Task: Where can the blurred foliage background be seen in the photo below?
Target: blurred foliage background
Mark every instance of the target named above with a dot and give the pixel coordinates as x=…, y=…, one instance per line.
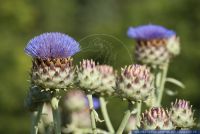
x=20, y=20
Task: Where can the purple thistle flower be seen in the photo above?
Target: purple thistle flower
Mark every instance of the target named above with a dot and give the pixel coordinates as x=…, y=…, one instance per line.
x=149, y=32
x=52, y=45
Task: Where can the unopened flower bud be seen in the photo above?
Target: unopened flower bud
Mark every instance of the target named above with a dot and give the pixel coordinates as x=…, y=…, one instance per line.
x=156, y=118
x=181, y=114
x=135, y=83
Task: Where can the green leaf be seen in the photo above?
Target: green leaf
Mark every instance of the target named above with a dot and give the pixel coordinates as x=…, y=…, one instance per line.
x=171, y=92
x=175, y=82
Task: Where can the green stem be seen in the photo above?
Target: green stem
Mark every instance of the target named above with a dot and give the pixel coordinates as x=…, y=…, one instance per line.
x=125, y=119
x=162, y=83
x=139, y=107
x=56, y=114
x=36, y=119
x=105, y=115
x=92, y=116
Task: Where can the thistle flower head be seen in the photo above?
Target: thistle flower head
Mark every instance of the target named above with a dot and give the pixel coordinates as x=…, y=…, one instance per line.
x=107, y=77
x=181, y=114
x=155, y=44
x=88, y=76
x=156, y=118
x=52, y=45
x=149, y=32
x=135, y=82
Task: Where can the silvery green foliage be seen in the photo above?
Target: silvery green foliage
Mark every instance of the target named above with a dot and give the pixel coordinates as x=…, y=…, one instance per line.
x=74, y=100
x=156, y=119
x=52, y=73
x=107, y=78
x=88, y=76
x=181, y=114
x=135, y=83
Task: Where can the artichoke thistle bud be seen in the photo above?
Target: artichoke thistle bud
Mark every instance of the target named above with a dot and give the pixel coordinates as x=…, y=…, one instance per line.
x=156, y=118
x=75, y=100
x=155, y=44
x=52, y=65
x=181, y=114
x=88, y=76
x=107, y=80
x=135, y=83
x=52, y=73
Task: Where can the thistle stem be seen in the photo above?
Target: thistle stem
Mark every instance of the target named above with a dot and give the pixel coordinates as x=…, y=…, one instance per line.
x=36, y=119
x=125, y=119
x=162, y=83
x=56, y=114
x=139, y=107
x=106, y=116
x=92, y=116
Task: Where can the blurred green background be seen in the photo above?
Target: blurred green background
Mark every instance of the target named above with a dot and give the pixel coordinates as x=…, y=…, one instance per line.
x=20, y=20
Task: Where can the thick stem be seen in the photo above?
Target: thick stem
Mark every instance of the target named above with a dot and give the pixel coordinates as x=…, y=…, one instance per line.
x=106, y=116
x=36, y=119
x=92, y=116
x=56, y=114
x=125, y=119
x=139, y=107
x=162, y=83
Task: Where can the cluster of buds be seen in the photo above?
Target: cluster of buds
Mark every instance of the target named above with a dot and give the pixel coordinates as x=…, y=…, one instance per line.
x=135, y=83
x=156, y=118
x=155, y=44
x=96, y=79
x=181, y=114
